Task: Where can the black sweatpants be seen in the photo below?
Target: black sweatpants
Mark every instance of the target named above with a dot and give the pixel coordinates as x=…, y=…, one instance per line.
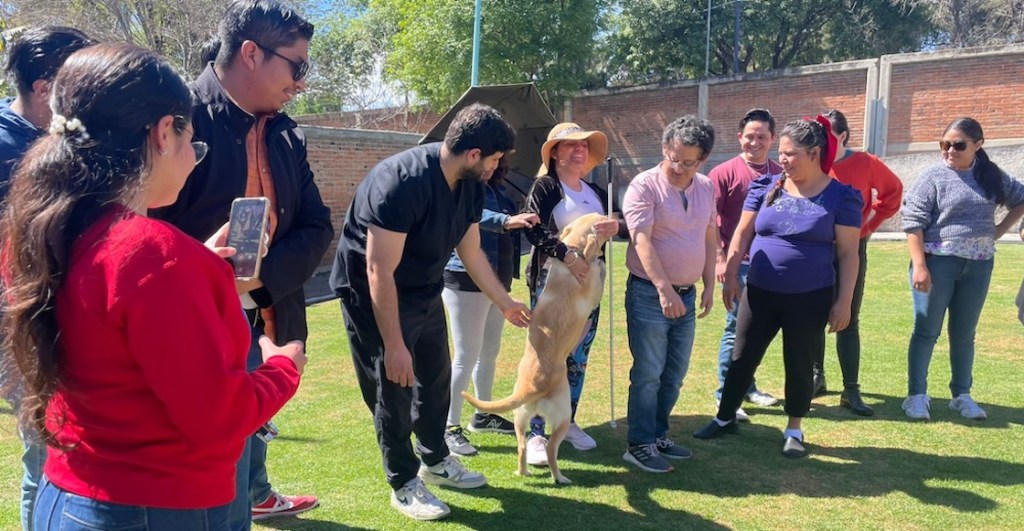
x=399, y=412
x=802, y=318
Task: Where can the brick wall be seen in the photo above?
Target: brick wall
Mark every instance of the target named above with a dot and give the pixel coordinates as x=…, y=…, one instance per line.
x=375, y=120
x=926, y=95
x=340, y=158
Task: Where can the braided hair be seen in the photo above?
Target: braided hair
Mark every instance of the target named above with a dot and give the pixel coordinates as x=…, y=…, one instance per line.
x=808, y=134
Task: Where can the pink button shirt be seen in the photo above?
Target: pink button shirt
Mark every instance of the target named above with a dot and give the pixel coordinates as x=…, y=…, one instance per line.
x=677, y=233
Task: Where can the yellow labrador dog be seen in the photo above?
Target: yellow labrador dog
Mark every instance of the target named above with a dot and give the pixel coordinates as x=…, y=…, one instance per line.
x=542, y=386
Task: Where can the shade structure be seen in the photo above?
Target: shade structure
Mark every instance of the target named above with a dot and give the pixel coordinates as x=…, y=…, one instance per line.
x=525, y=110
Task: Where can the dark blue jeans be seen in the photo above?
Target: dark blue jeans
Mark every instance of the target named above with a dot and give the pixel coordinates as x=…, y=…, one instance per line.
x=960, y=286
x=57, y=509
x=661, y=356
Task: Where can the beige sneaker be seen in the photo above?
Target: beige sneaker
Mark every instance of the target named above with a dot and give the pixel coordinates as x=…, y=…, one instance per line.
x=537, y=451
x=579, y=438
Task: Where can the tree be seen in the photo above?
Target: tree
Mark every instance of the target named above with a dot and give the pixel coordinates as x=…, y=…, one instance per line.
x=963, y=23
x=547, y=42
x=665, y=39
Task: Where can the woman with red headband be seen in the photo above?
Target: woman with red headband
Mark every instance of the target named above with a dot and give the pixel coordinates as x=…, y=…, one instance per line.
x=794, y=225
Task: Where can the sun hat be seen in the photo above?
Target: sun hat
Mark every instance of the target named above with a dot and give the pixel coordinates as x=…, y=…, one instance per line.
x=596, y=141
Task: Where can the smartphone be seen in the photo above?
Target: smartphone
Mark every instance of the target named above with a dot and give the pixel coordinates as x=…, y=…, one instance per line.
x=246, y=229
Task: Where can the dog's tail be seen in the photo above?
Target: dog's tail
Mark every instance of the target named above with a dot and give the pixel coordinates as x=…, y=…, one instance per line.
x=505, y=404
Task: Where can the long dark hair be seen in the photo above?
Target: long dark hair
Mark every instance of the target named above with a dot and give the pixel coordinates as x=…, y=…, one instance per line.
x=986, y=172
x=807, y=134
x=67, y=180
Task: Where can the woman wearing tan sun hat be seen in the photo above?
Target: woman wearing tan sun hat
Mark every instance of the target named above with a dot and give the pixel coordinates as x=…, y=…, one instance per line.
x=558, y=196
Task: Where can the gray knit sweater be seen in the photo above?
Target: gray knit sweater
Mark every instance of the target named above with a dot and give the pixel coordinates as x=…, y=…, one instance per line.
x=948, y=205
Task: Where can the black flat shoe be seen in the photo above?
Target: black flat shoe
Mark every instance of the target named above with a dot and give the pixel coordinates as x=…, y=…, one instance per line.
x=851, y=399
x=819, y=384
x=713, y=430
x=793, y=448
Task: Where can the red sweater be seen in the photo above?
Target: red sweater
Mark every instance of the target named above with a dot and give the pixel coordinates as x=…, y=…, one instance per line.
x=153, y=390
x=866, y=172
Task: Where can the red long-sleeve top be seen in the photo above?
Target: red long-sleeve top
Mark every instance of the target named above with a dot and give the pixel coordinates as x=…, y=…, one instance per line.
x=866, y=172
x=153, y=394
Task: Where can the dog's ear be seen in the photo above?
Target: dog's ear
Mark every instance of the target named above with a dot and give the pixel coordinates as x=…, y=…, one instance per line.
x=566, y=232
x=592, y=249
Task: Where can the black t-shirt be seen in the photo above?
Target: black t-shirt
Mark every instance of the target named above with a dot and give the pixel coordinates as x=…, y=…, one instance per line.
x=407, y=193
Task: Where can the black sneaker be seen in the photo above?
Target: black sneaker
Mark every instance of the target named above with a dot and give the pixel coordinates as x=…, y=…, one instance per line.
x=713, y=430
x=491, y=423
x=457, y=441
x=668, y=448
x=646, y=457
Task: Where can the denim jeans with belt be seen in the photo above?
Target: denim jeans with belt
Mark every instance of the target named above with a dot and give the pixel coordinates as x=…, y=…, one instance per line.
x=57, y=509
x=661, y=355
x=959, y=285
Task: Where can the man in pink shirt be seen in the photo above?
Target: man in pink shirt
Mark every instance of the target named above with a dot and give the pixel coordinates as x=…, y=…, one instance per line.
x=670, y=212
x=731, y=179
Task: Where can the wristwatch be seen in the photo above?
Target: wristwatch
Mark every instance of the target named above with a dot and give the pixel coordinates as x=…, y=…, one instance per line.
x=574, y=253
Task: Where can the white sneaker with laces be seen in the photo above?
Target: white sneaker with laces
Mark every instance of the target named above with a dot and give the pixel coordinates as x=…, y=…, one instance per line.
x=967, y=407
x=537, y=451
x=917, y=407
x=579, y=438
x=416, y=502
x=762, y=399
x=451, y=473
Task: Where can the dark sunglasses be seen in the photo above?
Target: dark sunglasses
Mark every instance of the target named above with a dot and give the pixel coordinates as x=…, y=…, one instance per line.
x=959, y=145
x=199, y=147
x=299, y=68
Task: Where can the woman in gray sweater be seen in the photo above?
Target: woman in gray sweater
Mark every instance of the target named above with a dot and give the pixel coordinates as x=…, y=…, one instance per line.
x=949, y=217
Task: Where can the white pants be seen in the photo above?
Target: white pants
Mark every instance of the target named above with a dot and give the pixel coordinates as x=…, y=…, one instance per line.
x=476, y=325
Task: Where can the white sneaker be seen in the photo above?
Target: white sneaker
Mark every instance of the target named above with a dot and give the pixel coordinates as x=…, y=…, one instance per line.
x=741, y=416
x=762, y=399
x=537, y=451
x=917, y=407
x=579, y=438
x=967, y=407
x=416, y=502
x=451, y=473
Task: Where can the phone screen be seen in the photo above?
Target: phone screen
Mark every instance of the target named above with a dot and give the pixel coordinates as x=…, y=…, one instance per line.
x=246, y=228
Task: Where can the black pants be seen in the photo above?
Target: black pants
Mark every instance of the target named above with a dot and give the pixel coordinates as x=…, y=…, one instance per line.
x=802, y=318
x=848, y=341
x=399, y=412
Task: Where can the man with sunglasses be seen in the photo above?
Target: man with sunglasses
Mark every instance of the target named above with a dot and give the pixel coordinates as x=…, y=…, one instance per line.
x=670, y=212
x=257, y=150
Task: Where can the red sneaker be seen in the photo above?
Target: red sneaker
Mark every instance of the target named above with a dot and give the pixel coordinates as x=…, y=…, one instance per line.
x=281, y=505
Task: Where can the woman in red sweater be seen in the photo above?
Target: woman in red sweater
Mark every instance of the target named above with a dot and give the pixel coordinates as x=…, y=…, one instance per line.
x=128, y=333
x=882, y=193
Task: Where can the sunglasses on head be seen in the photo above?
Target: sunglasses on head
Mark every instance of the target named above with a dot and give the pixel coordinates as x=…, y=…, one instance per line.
x=959, y=145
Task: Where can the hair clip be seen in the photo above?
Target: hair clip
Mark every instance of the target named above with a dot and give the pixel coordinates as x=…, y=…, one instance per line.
x=72, y=129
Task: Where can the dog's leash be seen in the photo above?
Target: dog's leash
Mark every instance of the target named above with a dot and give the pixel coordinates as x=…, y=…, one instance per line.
x=611, y=313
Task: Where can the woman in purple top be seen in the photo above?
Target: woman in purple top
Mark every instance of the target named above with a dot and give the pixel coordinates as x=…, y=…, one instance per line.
x=794, y=225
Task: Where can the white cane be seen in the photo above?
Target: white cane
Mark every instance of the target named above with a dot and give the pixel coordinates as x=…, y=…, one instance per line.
x=611, y=324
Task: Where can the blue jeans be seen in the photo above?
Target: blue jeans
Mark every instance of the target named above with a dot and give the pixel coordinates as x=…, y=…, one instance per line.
x=57, y=509
x=251, y=471
x=661, y=355
x=959, y=285
x=725, y=348
x=32, y=459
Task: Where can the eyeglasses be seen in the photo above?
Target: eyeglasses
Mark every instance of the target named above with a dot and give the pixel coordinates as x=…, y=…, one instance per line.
x=299, y=68
x=959, y=145
x=198, y=146
x=680, y=164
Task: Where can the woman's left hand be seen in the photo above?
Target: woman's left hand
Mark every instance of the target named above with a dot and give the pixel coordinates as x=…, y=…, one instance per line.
x=838, y=317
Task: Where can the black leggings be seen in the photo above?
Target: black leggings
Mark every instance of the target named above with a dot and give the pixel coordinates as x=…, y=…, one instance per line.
x=802, y=318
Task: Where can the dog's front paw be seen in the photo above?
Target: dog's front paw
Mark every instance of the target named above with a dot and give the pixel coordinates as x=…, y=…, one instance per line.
x=562, y=480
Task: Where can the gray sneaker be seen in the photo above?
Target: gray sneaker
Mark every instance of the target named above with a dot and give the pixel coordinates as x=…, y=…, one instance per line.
x=646, y=457
x=668, y=448
x=451, y=473
x=457, y=441
x=762, y=399
x=416, y=502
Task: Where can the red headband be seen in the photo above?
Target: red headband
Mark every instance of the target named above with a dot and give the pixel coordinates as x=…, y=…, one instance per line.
x=828, y=158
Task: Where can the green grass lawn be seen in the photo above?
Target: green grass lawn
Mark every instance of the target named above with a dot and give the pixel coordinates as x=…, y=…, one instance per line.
x=884, y=472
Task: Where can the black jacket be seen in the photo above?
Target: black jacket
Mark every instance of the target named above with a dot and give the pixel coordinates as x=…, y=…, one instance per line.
x=303, y=221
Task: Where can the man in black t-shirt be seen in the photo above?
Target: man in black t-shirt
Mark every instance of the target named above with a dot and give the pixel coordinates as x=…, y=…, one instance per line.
x=408, y=215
